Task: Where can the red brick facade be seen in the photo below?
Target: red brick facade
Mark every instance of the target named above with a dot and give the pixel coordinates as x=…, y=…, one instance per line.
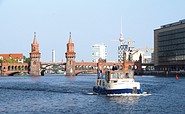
x=70, y=58
x=35, y=58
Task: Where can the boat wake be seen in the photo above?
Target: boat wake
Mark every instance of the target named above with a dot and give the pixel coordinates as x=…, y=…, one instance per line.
x=129, y=94
x=124, y=94
x=91, y=94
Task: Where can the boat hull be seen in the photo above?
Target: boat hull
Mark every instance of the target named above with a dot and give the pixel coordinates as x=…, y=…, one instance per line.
x=101, y=90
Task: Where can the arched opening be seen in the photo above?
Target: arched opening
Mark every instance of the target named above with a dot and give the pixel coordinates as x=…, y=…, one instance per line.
x=83, y=68
x=13, y=68
x=16, y=68
x=42, y=72
x=79, y=68
x=89, y=67
x=22, y=68
x=76, y=67
x=86, y=68
x=120, y=67
x=9, y=68
x=34, y=49
x=26, y=67
x=19, y=67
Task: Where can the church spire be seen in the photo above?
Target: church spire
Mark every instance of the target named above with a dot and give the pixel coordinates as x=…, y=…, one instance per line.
x=70, y=38
x=34, y=40
x=35, y=45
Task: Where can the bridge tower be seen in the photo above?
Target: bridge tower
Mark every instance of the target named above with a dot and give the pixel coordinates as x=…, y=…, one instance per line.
x=35, y=58
x=70, y=58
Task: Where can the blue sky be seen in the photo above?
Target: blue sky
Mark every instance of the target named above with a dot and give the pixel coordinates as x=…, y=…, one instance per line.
x=90, y=21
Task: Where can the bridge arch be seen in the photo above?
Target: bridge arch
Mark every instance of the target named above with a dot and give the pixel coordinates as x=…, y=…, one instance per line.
x=13, y=68
x=85, y=72
x=16, y=72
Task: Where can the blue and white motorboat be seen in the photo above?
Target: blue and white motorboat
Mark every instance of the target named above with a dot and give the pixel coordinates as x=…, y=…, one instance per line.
x=116, y=82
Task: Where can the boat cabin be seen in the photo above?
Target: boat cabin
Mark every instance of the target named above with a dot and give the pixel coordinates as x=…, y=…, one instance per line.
x=117, y=75
x=114, y=77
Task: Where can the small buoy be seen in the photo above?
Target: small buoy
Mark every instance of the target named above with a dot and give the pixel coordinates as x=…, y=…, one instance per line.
x=177, y=77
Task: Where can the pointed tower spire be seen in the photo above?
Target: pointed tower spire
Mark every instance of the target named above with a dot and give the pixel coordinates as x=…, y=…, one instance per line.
x=70, y=38
x=121, y=34
x=34, y=40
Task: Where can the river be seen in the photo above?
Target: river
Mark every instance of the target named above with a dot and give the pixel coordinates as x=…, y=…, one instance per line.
x=58, y=94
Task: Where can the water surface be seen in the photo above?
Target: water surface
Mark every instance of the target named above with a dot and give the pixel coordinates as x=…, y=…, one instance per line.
x=58, y=94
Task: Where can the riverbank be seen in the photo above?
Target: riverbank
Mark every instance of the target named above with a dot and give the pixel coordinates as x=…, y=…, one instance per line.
x=163, y=73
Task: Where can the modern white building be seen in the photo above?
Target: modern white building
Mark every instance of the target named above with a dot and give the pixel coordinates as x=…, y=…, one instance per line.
x=99, y=51
x=137, y=54
x=134, y=55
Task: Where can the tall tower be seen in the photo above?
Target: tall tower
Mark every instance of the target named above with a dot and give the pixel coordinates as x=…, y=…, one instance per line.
x=121, y=39
x=122, y=46
x=35, y=58
x=70, y=58
x=53, y=55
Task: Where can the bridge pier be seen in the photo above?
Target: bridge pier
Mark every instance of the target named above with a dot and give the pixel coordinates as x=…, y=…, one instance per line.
x=4, y=68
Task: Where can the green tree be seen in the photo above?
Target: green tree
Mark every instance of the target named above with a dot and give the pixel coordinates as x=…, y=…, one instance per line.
x=10, y=60
x=27, y=60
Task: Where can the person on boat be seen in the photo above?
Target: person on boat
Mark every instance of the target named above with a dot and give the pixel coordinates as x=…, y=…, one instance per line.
x=127, y=75
x=99, y=72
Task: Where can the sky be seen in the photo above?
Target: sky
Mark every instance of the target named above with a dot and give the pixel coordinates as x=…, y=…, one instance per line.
x=90, y=22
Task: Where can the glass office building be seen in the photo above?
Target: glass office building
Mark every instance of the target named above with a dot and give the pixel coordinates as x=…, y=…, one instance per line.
x=169, y=47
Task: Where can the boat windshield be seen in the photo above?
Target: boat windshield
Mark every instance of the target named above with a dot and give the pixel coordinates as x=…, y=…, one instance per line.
x=117, y=75
x=120, y=75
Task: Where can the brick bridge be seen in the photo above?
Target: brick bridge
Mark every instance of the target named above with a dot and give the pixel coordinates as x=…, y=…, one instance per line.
x=7, y=69
x=92, y=67
x=72, y=67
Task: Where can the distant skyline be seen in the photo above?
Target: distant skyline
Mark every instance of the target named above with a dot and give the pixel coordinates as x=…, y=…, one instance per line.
x=91, y=22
